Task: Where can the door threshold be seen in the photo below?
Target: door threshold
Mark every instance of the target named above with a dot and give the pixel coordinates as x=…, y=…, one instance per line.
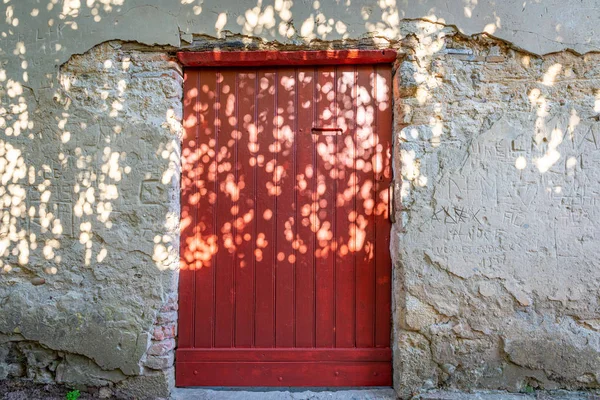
x=280, y=393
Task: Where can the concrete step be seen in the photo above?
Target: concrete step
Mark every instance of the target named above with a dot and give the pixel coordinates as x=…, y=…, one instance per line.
x=282, y=394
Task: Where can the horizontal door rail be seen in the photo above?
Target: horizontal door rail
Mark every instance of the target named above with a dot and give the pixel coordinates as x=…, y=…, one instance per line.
x=269, y=58
x=284, y=355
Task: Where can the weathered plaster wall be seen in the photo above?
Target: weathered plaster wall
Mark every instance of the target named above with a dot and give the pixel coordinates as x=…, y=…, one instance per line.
x=47, y=32
x=495, y=264
x=89, y=216
x=497, y=257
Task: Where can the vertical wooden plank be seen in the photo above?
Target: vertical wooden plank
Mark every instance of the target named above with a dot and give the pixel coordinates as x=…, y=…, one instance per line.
x=205, y=177
x=325, y=209
x=285, y=222
x=305, y=182
x=189, y=164
x=227, y=200
x=344, y=205
x=365, y=221
x=383, y=175
x=245, y=214
x=264, y=335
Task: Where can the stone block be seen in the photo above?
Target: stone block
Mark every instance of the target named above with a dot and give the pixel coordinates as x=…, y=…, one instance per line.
x=161, y=348
x=154, y=385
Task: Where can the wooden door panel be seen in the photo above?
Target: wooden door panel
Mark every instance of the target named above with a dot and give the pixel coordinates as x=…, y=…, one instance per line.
x=227, y=196
x=205, y=203
x=285, y=265
x=264, y=253
x=344, y=205
x=365, y=221
x=246, y=184
x=285, y=214
x=305, y=190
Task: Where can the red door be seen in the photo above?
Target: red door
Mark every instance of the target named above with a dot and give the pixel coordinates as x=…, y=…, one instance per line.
x=286, y=270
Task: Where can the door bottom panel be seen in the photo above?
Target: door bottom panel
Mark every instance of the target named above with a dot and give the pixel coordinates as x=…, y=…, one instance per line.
x=284, y=367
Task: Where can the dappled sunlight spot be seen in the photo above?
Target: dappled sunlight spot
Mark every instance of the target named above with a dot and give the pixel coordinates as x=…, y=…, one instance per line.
x=410, y=165
x=220, y=24
x=13, y=88
x=272, y=19
x=85, y=238
x=14, y=239
x=552, y=155
x=308, y=27
x=574, y=120
x=324, y=234
x=255, y=20
x=490, y=28
x=49, y=248
x=520, y=162
x=169, y=152
x=267, y=215
x=101, y=255
x=164, y=252
x=10, y=18
x=357, y=233
x=382, y=205
x=422, y=95
x=348, y=162
x=198, y=253
x=71, y=191
x=388, y=25
x=437, y=128
x=289, y=229
x=12, y=164
x=551, y=74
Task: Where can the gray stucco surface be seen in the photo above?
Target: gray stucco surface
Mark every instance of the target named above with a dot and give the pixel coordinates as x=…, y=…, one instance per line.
x=496, y=269
x=47, y=33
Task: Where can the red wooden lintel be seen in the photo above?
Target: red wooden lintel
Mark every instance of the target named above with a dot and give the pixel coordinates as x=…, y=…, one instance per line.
x=285, y=58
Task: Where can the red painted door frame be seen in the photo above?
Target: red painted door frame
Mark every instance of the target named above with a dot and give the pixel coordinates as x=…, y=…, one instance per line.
x=272, y=58
x=210, y=365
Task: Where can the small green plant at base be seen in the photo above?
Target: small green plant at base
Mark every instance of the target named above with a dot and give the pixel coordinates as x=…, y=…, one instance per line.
x=528, y=389
x=73, y=395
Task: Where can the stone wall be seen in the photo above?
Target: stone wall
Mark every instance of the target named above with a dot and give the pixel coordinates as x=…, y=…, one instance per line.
x=495, y=276
x=89, y=223
x=497, y=256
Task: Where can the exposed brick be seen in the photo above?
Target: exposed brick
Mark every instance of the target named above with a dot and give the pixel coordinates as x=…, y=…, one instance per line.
x=164, y=332
x=161, y=348
x=166, y=318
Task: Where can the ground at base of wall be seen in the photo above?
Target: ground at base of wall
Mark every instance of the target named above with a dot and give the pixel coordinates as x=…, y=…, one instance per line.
x=294, y=394
x=28, y=390
x=23, y=390
x=498, y=395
